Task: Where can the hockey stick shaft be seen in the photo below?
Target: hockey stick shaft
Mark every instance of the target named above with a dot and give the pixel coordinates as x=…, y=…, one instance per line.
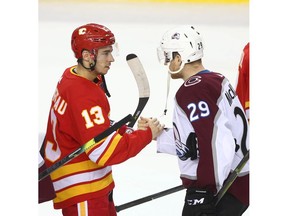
x=232, y=178
x=148, y=198
x=142, y=84
x=84, y=147
x=141, y=104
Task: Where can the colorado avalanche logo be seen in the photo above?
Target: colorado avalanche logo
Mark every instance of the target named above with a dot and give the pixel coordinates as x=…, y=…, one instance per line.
x=176, y=36
x=192, y=81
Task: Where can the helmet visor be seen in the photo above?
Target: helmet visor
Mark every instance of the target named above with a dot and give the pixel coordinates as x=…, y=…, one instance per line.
x=116, y=50
x=163, y=56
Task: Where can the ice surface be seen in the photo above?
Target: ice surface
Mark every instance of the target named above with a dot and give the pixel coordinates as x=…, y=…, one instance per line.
x=138, y=29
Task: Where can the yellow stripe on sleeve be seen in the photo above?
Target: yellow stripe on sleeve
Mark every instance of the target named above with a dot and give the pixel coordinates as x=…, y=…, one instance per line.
x=110, y=149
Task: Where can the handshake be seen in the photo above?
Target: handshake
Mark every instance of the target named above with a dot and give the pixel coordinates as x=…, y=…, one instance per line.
x=153, y=123
x=143, y=124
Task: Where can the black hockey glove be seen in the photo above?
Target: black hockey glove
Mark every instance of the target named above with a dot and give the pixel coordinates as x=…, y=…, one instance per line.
x=188, y=150
x=199, y=203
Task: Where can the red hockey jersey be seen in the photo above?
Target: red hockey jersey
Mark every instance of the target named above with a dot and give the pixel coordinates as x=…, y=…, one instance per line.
x=80, y=111
x=242, y=88
x=207, y=107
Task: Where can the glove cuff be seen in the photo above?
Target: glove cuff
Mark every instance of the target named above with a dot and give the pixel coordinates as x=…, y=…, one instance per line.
x=125, y=129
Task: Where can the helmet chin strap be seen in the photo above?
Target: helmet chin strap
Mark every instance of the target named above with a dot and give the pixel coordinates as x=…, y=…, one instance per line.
x=92, y=65
x=177, y=71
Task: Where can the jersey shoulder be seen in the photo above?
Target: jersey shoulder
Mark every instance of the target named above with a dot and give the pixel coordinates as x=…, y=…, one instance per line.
x=202, y=84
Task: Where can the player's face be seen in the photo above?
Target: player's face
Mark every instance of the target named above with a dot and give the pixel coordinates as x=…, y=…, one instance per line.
x=104, y=59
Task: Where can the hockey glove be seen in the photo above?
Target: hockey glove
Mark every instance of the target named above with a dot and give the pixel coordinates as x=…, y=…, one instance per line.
x=199, y=202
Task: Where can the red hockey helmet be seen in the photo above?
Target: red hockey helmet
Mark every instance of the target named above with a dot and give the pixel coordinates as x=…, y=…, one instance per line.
x=90, y=37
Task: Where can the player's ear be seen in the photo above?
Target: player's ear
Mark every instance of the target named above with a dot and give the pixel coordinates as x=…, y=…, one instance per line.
x=176, y=56
x=85, y=55
x=179, y=59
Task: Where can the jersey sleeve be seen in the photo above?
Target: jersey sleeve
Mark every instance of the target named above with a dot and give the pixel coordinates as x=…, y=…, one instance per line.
x=116, y=148
x=166, y=142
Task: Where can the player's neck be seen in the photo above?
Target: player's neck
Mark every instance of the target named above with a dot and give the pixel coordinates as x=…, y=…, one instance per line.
x=87, y=74
x=191, y=69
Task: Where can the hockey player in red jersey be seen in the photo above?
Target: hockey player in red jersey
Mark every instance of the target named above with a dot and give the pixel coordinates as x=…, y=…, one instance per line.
x=242, y=88
x=210, y=133
x=80, y=111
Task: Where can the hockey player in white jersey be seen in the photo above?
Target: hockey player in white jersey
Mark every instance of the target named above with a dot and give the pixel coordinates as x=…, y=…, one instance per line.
x=210, y=133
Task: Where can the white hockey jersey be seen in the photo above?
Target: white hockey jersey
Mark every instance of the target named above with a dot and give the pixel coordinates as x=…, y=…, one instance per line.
x=209, y=115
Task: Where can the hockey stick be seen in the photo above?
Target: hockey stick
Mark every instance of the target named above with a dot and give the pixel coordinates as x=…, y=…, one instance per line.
x=142, y=84
x=84, y=147
x=149, y=198
x=232, y=178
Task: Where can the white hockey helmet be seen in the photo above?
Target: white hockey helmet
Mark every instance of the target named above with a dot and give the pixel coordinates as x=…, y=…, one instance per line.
x=185, y=40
